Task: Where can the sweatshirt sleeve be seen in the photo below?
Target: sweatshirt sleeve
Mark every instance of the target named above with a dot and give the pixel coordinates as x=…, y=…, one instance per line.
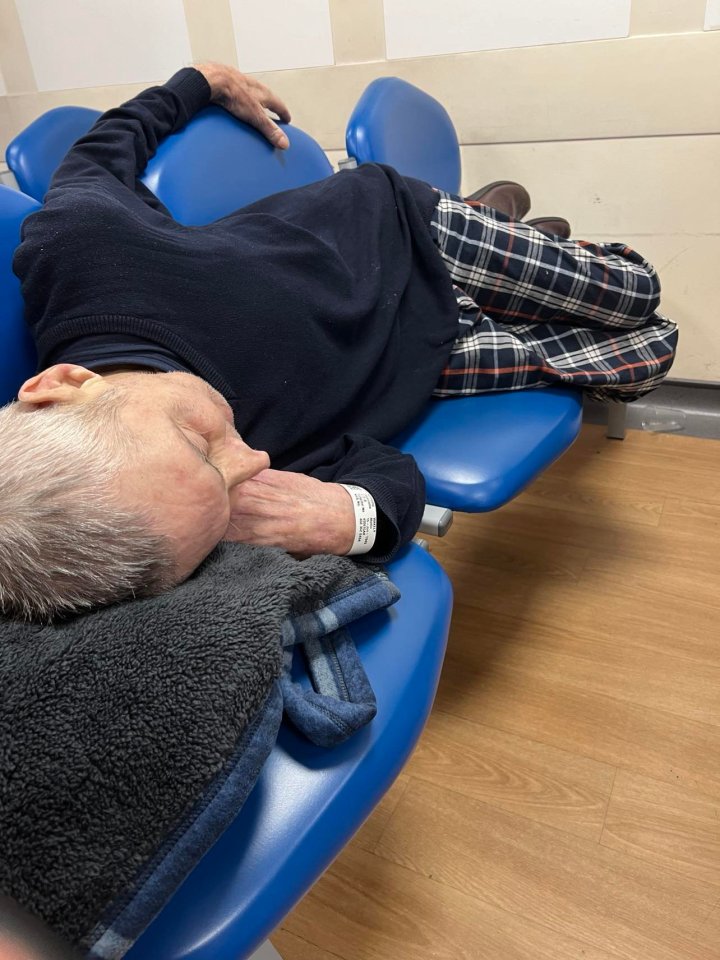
x=394, y=481
x=123, y=139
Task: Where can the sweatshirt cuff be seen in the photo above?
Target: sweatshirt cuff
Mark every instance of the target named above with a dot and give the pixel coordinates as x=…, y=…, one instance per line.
x=192, y=88
x=395, y=527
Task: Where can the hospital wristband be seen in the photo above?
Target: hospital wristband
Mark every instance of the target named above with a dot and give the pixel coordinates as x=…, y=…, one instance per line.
x=365, y=520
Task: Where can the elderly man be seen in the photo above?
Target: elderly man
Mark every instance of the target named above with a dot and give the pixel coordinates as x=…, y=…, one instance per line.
x=239, y=380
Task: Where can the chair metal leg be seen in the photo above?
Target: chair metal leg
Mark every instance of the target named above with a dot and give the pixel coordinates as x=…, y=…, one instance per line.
x=617, y=418
x=266, y=951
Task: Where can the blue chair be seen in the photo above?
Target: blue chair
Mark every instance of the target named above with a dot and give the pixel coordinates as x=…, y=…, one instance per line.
x=35, y=153
x=17, y=351
x=308, y=801
x=476, y=452
x=217, y=164
x=395, y=122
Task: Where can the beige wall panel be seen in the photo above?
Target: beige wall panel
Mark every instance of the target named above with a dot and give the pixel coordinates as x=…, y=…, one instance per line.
x=335, y=156
x=712, y=16
x=667, y=16
x=210, y=28
x=358, y=30
x=22, y=110
x=646, y=185
x=75, y=44
x=646, y=192
x=643, y=86
x=17, y=69
x=688, y=268
x=426, y=28
x=5, y=126
x=276, y=35
x=650, y=86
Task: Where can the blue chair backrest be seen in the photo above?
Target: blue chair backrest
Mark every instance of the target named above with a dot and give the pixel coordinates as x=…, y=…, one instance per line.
x=18, y=359
x=35, y=154
x=396, y=123
x=217, y=164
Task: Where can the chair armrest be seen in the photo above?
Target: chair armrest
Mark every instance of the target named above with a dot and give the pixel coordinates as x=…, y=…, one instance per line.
x=436, y=521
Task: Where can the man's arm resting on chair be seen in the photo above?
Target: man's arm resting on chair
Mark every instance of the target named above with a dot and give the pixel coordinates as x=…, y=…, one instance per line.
x=122, y=140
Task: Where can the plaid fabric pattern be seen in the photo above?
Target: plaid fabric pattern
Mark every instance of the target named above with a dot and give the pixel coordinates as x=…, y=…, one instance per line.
x=535, y=311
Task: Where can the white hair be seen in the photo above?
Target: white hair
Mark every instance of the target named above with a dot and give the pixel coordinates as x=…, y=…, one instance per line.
x=66, y=543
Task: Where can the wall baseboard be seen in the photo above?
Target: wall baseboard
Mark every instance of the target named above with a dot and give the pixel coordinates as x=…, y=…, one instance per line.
x=677, y=406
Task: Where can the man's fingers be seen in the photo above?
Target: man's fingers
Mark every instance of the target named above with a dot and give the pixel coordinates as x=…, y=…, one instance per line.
x=269, y=129
x=269, y=99
x=273, y=102
x=245, y=97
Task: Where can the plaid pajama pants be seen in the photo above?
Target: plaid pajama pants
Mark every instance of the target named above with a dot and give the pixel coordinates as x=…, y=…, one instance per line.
x=535, y=311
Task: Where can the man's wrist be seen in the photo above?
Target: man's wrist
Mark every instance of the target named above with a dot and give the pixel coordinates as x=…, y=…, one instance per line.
x=216, y=76
x=365, y=510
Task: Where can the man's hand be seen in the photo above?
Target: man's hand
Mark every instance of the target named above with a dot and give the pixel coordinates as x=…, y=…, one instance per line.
x=247, y=99
x=282, y=509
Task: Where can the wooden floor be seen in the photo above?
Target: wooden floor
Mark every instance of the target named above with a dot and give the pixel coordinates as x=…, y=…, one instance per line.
x=564, y=801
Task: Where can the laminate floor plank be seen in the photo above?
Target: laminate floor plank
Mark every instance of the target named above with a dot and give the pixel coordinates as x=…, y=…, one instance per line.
x=674, y=828
x=371, y=831
x=659, y=745
x=596, y=499
x=291, y=947
x=600, y=665
x=575, y=887
x=367, y=908
x=657, y=462
x=708, y=933
x=692, y=516
x=496, y=608
x=513, y=773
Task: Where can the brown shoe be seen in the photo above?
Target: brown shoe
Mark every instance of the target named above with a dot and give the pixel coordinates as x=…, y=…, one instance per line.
x=503, y=195
x=557, y=227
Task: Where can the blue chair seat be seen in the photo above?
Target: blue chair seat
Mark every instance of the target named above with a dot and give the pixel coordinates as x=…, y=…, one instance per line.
x=477, y=453
x=308, y=801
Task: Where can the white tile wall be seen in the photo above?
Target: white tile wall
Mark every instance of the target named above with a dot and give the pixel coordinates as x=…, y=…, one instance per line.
x=712, y=15
x=89, y=43
x=420, y=28
x=3, y=91
x=282, y=35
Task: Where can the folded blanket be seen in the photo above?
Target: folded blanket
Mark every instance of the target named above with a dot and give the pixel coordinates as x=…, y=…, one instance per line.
x=131, y=736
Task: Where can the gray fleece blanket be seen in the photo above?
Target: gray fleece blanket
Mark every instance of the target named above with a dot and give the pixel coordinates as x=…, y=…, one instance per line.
x=118, y=728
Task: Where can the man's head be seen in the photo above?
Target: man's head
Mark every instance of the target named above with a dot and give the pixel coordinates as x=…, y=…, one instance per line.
x=112, y=486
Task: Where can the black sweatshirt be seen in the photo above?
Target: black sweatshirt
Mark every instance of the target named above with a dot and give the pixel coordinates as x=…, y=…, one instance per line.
x=323, y=314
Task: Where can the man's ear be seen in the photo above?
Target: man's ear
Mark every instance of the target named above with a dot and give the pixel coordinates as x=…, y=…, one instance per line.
x=61, y=383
